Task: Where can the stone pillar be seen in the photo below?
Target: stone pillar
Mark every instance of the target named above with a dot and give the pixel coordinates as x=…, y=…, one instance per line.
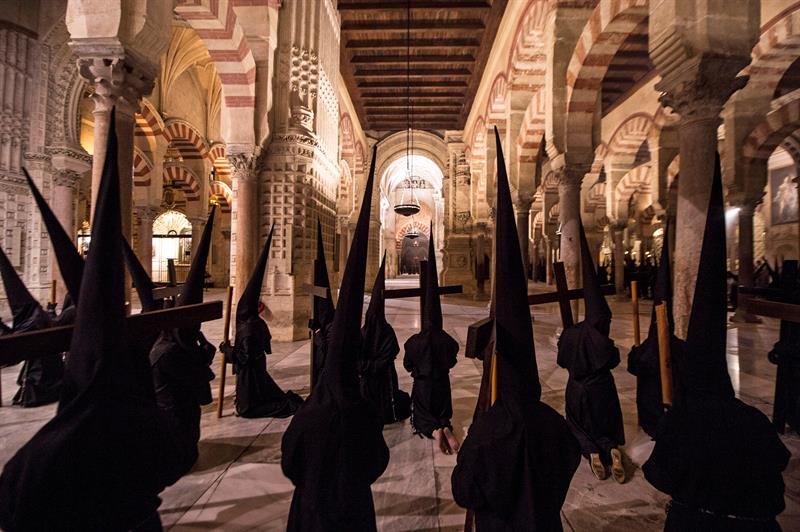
x=245, y=224
x=618, y=232
x=698, y=57
x=746, y=211
x=198, y=224
x=118, y=81
x=522, y=210
x=145, y=215
x=65, y=192
x=569, y=201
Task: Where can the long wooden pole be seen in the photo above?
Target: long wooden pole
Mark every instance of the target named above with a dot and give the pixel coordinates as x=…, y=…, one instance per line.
x=53, y=285
x=494, y=378
x=664, y=360
x=226, y=334
x=637, y=335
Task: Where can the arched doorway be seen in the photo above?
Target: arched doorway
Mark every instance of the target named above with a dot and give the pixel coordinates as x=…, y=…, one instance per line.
x=172, y=239
x=406, y=177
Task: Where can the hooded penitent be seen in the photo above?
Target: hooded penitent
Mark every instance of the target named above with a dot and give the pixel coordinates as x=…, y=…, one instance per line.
x=333, y=449
x=257, y=394
x=518, y=459
x=785, y=351
x=643, y=361
x=40, y=378
x=323, y=310
x=429, y=355
x=378, y=352
x=92, y=466
x=180, y=361
x=718, y=458
x=586, y=351
x=70, y=262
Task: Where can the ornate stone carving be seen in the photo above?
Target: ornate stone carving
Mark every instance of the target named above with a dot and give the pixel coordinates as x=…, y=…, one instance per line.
x=117, y=80
x=67, y=178
x=246, y=166
x=146, y=213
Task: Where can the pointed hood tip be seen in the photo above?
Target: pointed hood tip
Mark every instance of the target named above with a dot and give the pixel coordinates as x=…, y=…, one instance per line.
x=247, y=307
x=518, y=375
x=433, y=303
x=597, y=310
x=19, y=298
x=192, y=292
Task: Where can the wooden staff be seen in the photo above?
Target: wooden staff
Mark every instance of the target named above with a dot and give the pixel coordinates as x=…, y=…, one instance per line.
x=494, y=378
x=53, y=284
x=226, y=335
x=664, y=360
x=637, y=336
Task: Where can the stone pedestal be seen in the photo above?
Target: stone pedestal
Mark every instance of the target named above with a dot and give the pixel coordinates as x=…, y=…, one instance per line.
x=457, y=262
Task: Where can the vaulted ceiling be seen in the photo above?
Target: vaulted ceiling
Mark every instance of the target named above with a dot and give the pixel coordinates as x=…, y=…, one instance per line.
x=450, y=41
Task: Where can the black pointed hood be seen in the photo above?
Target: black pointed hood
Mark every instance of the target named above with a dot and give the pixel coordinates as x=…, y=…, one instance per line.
x=433, y=304
x=192, y=292
x=22, y=303
x=377, y=302
x=70, y=262
x=704, y=369
x=323, y=306
x=344, y=340
x=247, y=308
x=517, y=372
x=597, y=312
x=143, y=283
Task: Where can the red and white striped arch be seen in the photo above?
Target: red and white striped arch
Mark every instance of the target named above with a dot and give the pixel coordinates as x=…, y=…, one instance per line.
x=497, y=105
x=216, y=156
x=778, y=125
x=605, y=31
x=527, y=60
x=628, y=138
x=777, y=48
x=148, y=121
x=186, y=139
x=216, y=24
x=421, y=228
x=346, y=138
x=222, y=194
x=142, y=166
x=531, y=132
x=183, y=178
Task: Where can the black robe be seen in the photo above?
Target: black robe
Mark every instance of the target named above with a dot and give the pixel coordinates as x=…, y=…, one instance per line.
x=429, y=355
x=592, y=404
x=257, y=394
x=180, y=361
x=319, y=347
x=378, y=374
x=515, y=468
x=40, y=378
x=643, y=362
x=333, y=454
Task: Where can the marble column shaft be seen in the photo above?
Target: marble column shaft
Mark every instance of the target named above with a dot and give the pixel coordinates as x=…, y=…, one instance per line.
x=245, y=218
x=65, y=184
x=146, y=216
x=618, y=230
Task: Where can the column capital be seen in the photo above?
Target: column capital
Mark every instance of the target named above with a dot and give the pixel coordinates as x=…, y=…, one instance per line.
x=523, y=205
x=699, y=88
x=246, y=165
x=146, y=213
x=618, y=225
x=67, y=178
x=117, y=78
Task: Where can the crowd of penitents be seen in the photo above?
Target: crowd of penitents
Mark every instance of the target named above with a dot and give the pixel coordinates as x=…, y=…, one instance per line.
x=128, y=417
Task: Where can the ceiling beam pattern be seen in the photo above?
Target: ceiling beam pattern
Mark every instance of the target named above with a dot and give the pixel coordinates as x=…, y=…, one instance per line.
x=449, y=43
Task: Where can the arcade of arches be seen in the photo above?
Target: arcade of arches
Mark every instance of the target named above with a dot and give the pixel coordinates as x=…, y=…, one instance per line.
x=608, y=110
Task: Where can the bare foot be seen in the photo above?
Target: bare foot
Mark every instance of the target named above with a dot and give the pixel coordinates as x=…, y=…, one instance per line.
x=448, y=443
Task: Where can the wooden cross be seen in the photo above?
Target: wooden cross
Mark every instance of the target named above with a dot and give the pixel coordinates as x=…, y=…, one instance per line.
x=479, y=333
x=752, y=301
x=398, y=293
x=15, y=348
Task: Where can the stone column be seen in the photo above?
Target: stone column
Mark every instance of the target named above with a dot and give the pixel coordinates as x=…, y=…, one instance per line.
x=522, y=210
x=65, y=192
x=618, y=232
x=746, y=211
x=569, y=201
x=244, y=218
x=118, y=81
x=145, y=215
x=198, y=224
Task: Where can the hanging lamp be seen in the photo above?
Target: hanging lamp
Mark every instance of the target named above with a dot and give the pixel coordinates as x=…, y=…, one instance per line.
x=408, y=204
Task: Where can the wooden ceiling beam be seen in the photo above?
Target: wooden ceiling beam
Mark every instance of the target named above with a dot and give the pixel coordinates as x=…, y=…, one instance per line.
x=414, y=25
x=419, y=4
x=401, y=102
x=414, y=43
x=413, y=83
x=393, y=59
x=379, y=95
x=439, y=72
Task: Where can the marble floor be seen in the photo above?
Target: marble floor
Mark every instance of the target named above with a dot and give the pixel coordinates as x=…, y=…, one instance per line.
x=237, y=483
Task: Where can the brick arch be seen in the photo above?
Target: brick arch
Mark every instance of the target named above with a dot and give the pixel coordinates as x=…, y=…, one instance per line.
x=358, y=160
x=526, y=60
x=222, y=194
x=216, y=156
x=404, y=228
x=554, y=214
x=142, y=166
x=777, y=48
x=596, y=169
x=596, y=196
x=346, y=198
x=778, y=124
x=637, y=180
x=184, y=178
x=531, y=131
x=346, y=138
x=149, y=123
x=628, y=138
x=497, y=104
x=186, y=139
x=478, y=141
x=216, y=24
x=605, y=31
